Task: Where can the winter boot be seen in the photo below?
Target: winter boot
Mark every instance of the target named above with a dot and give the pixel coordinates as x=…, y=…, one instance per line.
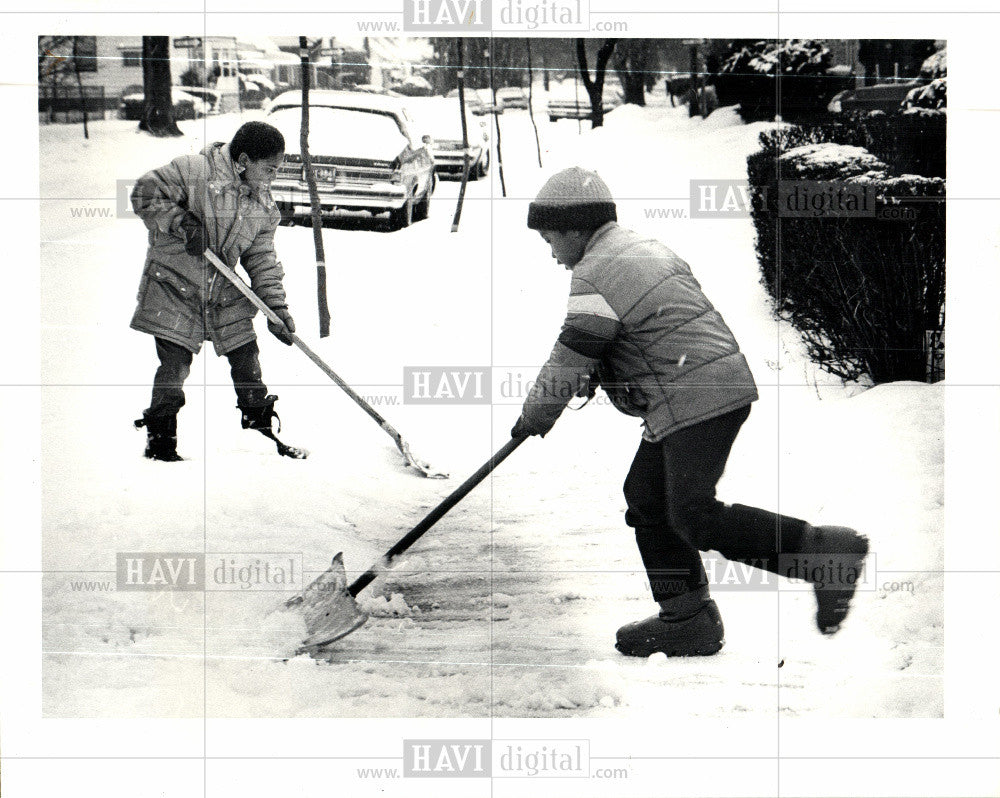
x=161, y=437
x=834, y=567
x=260, y=417
x=688, y=625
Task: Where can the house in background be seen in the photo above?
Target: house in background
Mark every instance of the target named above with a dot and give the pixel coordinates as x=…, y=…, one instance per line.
x=111, y=67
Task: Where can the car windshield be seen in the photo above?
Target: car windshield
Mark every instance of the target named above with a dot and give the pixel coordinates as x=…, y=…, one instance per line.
x=346, y=132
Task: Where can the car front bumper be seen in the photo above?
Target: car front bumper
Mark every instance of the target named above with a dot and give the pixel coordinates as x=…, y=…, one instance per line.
x=451, y=160
x=378, y=196
x=574, y=111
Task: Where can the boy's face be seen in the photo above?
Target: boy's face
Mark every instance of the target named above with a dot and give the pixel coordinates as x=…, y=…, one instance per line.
x=567, y=245
x=259, y=174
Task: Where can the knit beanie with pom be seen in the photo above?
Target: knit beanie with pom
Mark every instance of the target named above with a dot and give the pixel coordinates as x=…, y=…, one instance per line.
x=573, y=199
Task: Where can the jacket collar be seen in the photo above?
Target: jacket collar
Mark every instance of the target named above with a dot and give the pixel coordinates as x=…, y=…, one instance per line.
x=599, y=233
x=227, y=170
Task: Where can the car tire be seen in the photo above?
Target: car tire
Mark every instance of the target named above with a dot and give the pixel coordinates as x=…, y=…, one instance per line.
x=422, y=209
x=402, y=217
x=553, y=118
x=483, y=167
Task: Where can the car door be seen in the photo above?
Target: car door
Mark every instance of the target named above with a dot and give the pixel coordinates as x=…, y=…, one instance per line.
x=418, y=162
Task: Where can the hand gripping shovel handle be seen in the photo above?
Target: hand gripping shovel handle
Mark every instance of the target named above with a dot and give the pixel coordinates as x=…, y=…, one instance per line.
x=274, y=318
x=435, y=515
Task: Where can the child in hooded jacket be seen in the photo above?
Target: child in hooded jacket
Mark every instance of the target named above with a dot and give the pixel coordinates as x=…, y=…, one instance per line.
x=218, y=199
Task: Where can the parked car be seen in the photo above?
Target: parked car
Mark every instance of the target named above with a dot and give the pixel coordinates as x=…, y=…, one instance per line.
x=487, y=105
x=572, y=101
x=186, y=106
x=886, y=97
x=252, y=94
x=209, y=96
x=479, y=101
x=365, y=151
x=440, y=118
x=264, y=82
x=513, y=97
x=414, y=86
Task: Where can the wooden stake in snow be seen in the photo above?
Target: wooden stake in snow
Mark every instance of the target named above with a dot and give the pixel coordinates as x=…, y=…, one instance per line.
x=495, y=113
x=531, y=104
x=317, y=213
x=465, y=139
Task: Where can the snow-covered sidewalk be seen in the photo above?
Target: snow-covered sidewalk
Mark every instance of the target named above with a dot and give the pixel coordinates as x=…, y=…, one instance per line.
x=509, y=606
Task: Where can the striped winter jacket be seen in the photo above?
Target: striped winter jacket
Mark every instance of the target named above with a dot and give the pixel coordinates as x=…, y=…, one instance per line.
x=182, y=297
x=638, y=320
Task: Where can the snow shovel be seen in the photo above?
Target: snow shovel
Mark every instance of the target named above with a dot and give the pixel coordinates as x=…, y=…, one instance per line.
x=329, y=605
x=408, y=457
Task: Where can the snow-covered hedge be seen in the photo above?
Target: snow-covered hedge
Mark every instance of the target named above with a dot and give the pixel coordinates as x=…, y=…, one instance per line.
x=756, y=74
x=862, y=290
x=912, y=142
x=933, y=96
x=935, y=66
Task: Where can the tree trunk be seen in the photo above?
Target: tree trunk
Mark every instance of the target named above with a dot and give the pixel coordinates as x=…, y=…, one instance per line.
x=317, y=213
x=79, y=85
x=693, y=82
x=157, y=104
x=632, y=63
x=635, y=90
x=460, y=75
x=496, y=122
x=595, y=86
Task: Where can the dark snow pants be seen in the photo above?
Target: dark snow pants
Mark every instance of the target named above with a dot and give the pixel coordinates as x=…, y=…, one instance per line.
x=175, y=366
x=670, y=492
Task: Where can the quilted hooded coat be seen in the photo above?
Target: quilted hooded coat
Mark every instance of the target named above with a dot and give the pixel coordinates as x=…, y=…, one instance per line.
x=182, y=297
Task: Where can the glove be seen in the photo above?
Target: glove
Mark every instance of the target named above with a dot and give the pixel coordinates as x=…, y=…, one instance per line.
x=193, y=233
x=281, y=332
x=588, y=387
x=524, y=428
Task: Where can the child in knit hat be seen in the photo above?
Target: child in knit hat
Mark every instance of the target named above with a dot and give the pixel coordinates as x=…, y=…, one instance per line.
x=639, y=325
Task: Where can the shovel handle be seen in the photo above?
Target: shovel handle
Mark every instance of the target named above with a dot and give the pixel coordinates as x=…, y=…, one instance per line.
x=435, y=515
x=274, y=318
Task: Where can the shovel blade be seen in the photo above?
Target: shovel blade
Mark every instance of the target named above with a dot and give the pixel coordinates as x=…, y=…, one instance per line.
x=330, y=612
x=422, y=466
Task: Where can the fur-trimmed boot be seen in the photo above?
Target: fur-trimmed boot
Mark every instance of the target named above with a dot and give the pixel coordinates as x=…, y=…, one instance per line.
x=687, y=625
x=161, y=437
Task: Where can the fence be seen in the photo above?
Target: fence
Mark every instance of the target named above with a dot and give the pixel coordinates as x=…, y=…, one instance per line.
x=66, y=104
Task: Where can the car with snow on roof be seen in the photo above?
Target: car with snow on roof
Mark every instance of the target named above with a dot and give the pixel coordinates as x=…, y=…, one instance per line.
x=366, y=156
x=441, y=119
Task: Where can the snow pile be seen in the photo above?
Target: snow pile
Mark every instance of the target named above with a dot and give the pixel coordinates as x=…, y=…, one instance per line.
x=392, y=606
